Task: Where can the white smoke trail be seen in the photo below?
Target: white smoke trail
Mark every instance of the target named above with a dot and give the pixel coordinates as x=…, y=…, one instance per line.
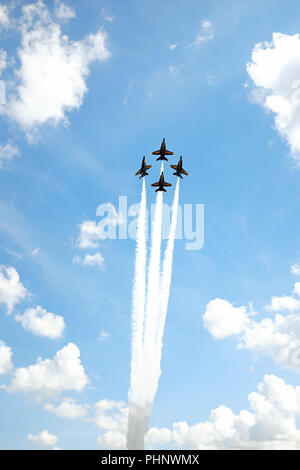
x=135, y=418
x=165, y=285
x=148, y=323
x=153, y=301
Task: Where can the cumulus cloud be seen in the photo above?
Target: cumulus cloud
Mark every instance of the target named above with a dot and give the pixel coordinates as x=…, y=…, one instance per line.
x=111, y=415
x=277, y=337
x=206, y=34
x=112, y=440
x=222, y=319
x=6, y=353
x=43, y=439
x=271, y=423
x=68, y=408
x=63, y=12
x=4, y=17
x=51, y=80
x=296, y=289
x=90, y=260
x=12, y=290
x=49, y=377
x=7, y=153
x=42, y=323
x=285, y=303
x=275, y=69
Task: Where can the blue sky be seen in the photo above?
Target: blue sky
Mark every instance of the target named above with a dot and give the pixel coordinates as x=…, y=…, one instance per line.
x=149, y=70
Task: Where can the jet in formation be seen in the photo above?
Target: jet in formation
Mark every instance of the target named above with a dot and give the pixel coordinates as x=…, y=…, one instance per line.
x=178, y=169
x=161, y=183
x=162, y=152
x=143, y=170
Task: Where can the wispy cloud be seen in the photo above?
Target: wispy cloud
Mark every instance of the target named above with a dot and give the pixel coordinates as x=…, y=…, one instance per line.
x=96, y=259
x=129, y=90
x=107, y=16
x=4, y=16
x=64, y=12
x=7, y=153
x=103, y=335
x=205, y=34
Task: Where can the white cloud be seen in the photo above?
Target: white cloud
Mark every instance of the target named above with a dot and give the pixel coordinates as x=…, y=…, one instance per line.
x=275, y=70
x=91, y=231
x=106, y=16
x=206, y=34
x=7, y=153
x=295, y=269
x=222, y=319
x=296, y=289
x=43, y=439
x=112, y=440
x=285, y=303
x=42, y=323
x=12, y=290
x=68, y=408
x=278, y=338
x=3, y=60
x=6, y=353
x=64, y=12
x=90, y=260
x=49, y=377
x=271, y=423
x=173, y=46
x=53, y=70
x=4, y=18
x=111, y=415
x=35, y=251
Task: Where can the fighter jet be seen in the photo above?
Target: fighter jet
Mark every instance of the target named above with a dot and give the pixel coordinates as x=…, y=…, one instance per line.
x=162, y=152
x=178, y=169
x=161, y=183
x=143, y=170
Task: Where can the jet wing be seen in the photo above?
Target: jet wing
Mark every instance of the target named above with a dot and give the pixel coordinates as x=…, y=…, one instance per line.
x=155, y=184
x=167, y=184
x=148, y=166
x=174, y=167
x=184, y=172
x=157, y=152
x=167, y=152
x=139, y=172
